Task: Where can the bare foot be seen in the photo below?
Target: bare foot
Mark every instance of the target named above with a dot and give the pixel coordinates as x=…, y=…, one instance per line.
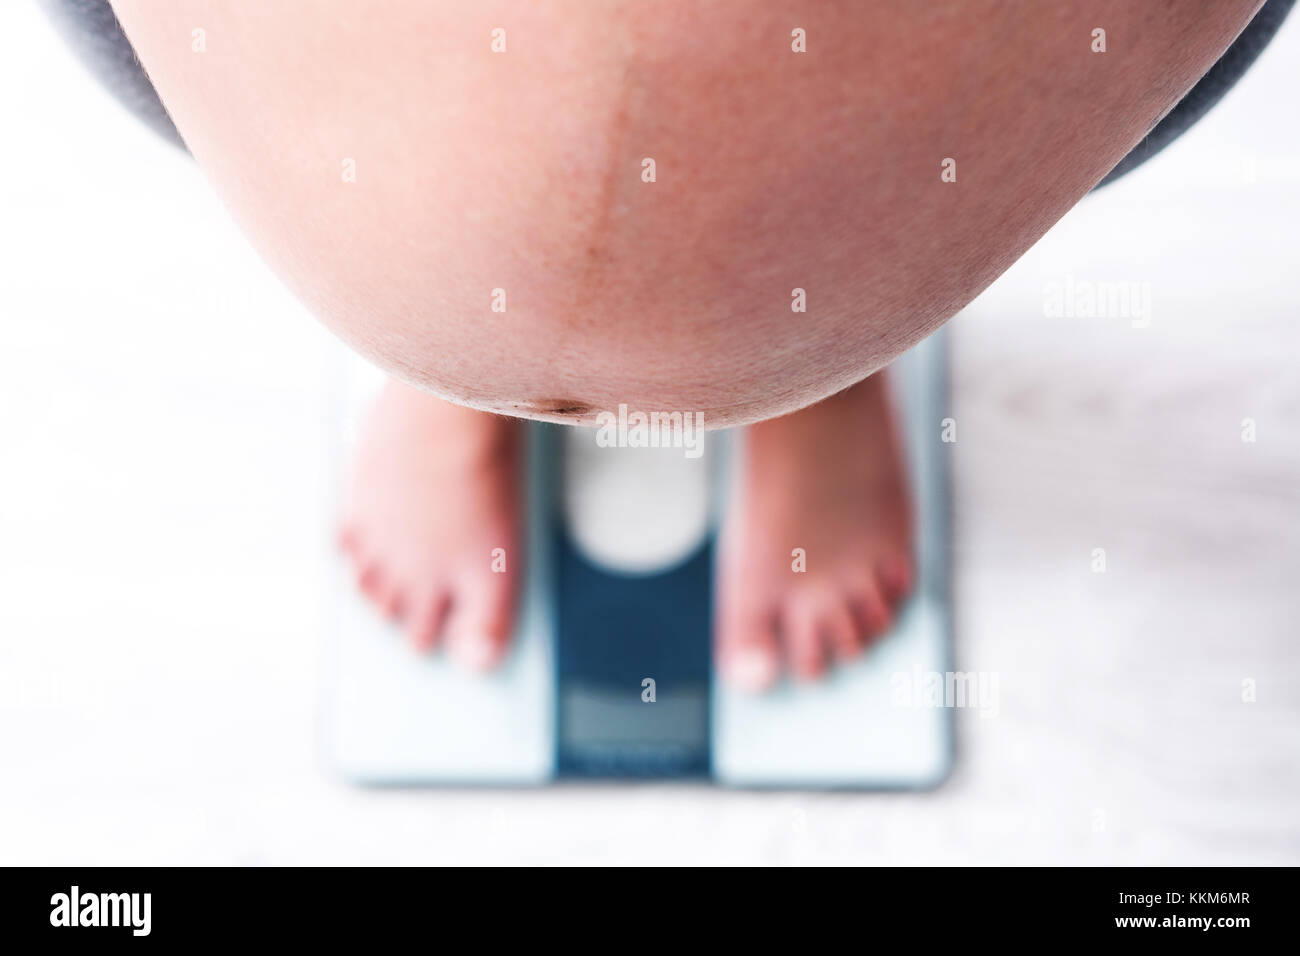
x=824, y=490
x=434, y=495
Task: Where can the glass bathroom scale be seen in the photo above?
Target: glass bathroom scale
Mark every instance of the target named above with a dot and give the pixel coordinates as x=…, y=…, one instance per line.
x=610, y=672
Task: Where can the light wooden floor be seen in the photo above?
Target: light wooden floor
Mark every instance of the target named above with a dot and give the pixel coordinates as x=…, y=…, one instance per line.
x=163, y=424
x=1123, y=690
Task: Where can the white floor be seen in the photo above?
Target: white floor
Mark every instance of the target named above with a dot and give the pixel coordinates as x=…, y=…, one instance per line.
x=163, y=426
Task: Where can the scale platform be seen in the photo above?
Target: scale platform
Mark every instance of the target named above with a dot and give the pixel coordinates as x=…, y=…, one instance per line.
x=618, y=592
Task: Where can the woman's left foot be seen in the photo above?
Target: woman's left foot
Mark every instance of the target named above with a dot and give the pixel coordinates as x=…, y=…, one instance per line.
x=816, y=552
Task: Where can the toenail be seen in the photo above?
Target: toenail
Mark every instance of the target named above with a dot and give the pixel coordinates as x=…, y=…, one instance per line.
x=753, y=670
x=475, y=654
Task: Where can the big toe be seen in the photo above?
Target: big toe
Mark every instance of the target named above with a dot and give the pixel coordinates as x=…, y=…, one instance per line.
x=482, y=616
x=748, y=648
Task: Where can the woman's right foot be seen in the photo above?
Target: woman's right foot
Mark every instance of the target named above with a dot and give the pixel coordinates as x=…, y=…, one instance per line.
x=431, y=521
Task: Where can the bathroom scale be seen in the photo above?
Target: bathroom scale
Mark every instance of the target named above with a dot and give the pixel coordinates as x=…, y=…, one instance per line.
x=610, y=670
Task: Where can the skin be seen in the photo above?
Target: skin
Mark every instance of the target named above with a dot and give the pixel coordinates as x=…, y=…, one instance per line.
x=522, y=171
x=434, y=492
x=830, y=481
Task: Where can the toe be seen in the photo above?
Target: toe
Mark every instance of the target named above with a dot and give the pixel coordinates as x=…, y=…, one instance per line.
x=805, y=643
x=871, y=612
x=895, y=578
x=479, y=627
x=377, y=584
x=748, y=647
x=392, y=602
x=424, y=624
x=841, y=631
x=370, y=578
x=347, y=539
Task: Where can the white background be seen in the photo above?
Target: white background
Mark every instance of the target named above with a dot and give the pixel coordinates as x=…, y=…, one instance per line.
x=164, y=489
